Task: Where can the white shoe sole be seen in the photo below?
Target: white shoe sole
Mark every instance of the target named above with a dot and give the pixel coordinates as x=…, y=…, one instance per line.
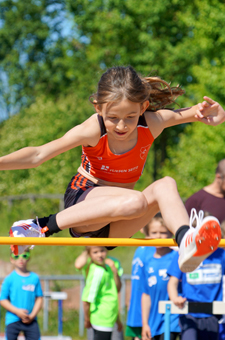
x=205, y=241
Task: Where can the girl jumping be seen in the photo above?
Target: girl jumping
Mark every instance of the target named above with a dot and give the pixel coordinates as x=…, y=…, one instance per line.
x=100, y=200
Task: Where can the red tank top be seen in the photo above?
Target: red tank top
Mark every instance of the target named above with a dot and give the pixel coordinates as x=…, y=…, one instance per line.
x=101, y=163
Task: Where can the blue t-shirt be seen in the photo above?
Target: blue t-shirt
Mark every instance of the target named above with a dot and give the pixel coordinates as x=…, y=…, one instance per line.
x=21, y=291
x=205, y=283
x=154, y=280
x=134, y=313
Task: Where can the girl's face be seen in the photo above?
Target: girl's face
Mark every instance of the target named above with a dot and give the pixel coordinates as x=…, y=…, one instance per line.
x=121, y=118
x=157, y=230
x=98, y=255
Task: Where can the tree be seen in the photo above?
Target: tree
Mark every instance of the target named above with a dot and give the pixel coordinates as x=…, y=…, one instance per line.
x=180, y=41
x=36, y=55
x=193, y=161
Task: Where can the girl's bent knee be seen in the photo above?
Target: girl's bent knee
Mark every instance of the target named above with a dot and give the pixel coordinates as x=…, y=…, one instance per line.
x=163, y=185
x=170, y=181
x=135, y=205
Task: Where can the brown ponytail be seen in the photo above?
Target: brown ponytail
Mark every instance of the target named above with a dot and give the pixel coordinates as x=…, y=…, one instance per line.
x=121, y=82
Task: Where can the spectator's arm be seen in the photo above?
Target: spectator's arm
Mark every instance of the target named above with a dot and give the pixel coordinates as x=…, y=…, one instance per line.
x=35, y=310
x=87, y=323
x=145, y=311
x=111, y=264
x=21, y=313
x=119, y=324
x=172, y=288
x=81, y=260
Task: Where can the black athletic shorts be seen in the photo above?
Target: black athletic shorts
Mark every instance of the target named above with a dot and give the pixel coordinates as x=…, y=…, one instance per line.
x=77, y=186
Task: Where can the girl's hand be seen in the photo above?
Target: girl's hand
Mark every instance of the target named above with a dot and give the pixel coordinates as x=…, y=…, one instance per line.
x=210, y=112
x=87, y=324
x=119, y=326
x=179, y=301
x=22, y=314
x=146, y=332
x=28, y=319
x=111, y=264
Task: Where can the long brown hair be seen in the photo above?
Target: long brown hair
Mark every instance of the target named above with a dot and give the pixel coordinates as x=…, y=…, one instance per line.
x=124, y=82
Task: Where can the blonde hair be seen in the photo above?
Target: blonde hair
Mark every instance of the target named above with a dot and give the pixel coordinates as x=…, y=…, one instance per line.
x=157, y=217
x=124, y=82
x=88, y=248
x=223, y=229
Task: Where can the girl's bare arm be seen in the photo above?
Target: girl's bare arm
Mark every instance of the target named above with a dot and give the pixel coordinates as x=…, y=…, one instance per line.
x=208, y=112
x=145, y=311
x=87, y=133
x=81, y=260
x=172, y=289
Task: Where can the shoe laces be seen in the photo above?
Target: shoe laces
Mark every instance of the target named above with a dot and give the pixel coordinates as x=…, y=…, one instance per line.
x=198, y=217
x=34, y=229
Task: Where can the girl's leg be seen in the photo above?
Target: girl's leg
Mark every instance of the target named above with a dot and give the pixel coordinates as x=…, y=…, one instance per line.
x=128, y=211
x=161, y=196
x=102, y=205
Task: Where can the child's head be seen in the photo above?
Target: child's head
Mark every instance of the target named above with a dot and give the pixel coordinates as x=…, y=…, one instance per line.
x=223, y=229
x=20, y=261
x=119, y=83
x=97, y=254
x=145, y=230
x=157, y=228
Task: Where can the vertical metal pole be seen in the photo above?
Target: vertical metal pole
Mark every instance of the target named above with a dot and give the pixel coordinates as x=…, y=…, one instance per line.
x=46, y=303
x=81, y=311
x=123, y=300
x=60, y=317
x=167, y=322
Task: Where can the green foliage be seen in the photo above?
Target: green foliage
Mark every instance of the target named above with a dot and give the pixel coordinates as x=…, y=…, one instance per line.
x=193, y=161
x=41, y=123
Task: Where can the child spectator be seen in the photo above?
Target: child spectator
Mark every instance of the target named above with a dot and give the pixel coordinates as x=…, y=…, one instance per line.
x=153, y=280
x=202, y=285
x=100, y=295
x=134, y=320
x=82, y=263
x=21, y=296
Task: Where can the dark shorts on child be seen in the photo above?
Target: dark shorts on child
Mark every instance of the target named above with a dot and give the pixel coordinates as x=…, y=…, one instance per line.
x=31, y=331
x=100, y=335
x=77, y=186
x=173, y=336
x=198, y=328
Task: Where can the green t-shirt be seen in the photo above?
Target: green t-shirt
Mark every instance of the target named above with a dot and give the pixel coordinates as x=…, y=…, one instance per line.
x=101, y=292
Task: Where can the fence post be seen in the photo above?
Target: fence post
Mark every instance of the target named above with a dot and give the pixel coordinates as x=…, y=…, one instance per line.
x=123, y=299
x=46, y=304
x=60, y=318
x=81, y=310
x=167, y=322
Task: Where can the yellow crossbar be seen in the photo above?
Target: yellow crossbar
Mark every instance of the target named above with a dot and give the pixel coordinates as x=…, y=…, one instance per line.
x=69, y=241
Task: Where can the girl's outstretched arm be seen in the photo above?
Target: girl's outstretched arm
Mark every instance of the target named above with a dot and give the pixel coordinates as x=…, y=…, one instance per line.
x=208, y=112
x=87, y=133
